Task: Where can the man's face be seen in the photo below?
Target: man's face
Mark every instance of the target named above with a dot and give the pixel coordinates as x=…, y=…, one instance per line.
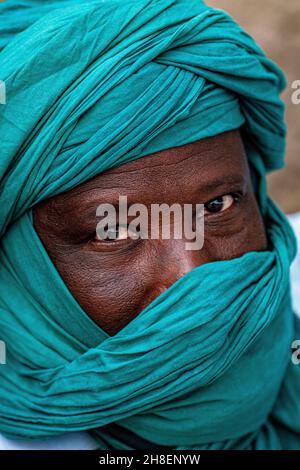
x=114, y=280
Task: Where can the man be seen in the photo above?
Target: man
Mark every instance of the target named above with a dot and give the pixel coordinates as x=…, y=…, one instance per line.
x=141, y=342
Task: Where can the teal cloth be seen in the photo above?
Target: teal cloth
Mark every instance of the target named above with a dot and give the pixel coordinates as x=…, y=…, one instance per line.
x=207, y=365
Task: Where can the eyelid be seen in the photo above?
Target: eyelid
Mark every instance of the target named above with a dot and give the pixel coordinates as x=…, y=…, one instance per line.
x=238, y=193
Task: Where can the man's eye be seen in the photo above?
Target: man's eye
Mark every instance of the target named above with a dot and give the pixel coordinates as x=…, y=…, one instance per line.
x=114, y=233
x=220, y=204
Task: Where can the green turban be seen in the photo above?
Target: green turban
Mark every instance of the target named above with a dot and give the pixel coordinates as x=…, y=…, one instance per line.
x=206, y=365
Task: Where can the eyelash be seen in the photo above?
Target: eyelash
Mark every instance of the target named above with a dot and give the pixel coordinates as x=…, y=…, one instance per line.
x=237, y=197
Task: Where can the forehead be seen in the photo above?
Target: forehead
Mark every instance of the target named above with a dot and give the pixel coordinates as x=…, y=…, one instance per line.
x=209, y=148
x=211, y=156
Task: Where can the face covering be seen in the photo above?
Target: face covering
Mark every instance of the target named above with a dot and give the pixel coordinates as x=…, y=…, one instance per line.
x=206, y=365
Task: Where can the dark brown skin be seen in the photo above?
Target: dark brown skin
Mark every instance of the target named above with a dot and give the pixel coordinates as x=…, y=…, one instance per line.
x=114, y=280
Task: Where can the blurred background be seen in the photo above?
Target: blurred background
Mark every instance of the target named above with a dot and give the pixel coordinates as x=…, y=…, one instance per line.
x=275, y=24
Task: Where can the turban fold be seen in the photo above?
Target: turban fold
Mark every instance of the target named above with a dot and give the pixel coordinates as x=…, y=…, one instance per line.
x=206, y=365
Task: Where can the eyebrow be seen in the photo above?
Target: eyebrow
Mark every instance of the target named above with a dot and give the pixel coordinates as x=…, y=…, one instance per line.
x=111, y=194
x=108, y=195
x=221, y=181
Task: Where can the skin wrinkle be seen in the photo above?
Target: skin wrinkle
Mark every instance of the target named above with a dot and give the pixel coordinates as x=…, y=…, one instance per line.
x=114, y=283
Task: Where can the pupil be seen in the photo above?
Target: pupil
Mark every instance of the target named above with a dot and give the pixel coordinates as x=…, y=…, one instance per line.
x=216, y=205
x=112, y=233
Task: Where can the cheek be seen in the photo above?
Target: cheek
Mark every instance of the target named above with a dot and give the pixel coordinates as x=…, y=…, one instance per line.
x=109, y=289
x=255, y=233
